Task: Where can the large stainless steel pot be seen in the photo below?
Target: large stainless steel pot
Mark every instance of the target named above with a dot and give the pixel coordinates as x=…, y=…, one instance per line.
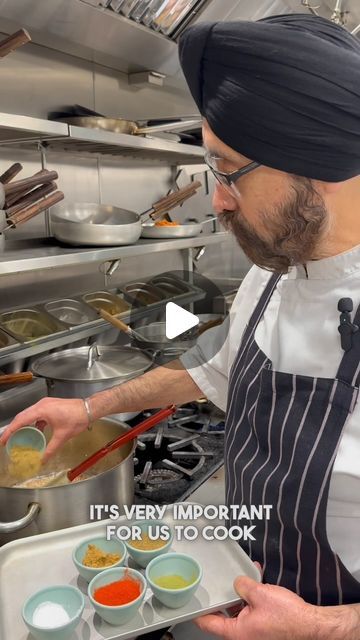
x=80, y=372
x=25, y=511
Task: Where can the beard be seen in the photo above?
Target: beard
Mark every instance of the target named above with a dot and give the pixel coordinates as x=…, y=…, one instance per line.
x=294, y=229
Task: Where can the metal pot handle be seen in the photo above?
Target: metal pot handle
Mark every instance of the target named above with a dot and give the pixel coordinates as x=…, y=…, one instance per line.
x=152, y=353
x=21, y=523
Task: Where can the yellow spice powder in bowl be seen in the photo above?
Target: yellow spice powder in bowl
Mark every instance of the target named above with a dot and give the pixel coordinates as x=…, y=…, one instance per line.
x=94, y=555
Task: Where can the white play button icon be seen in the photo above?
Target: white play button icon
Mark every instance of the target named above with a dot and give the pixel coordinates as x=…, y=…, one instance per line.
x=178, y=320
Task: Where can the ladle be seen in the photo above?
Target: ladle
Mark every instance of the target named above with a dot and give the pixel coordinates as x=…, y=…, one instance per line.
x=118, y=442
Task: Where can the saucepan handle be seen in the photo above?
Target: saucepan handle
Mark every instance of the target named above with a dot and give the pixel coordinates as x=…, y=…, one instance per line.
x=21, y=523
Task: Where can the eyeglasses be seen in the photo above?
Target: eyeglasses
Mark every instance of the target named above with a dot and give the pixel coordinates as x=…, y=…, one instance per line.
x=226, y=179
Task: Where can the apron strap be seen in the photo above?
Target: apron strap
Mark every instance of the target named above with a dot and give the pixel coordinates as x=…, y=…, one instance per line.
x=258, y=313
x=349, y=369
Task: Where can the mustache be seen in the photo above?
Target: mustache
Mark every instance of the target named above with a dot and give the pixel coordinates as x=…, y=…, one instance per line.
x=293, y=229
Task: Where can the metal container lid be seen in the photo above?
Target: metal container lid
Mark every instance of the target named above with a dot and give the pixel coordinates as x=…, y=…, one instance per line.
x=92, y=364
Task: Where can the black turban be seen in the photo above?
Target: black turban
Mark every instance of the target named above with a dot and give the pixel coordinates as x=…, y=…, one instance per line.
x=284, y=91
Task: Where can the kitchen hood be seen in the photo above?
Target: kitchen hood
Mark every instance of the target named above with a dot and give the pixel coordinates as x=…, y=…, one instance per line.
x=93, y=30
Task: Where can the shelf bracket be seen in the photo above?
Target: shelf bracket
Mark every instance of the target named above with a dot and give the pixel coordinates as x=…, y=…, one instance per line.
x=43, y=159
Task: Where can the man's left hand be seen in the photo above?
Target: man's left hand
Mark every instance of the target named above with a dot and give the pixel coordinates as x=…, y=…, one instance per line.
x=275, y=613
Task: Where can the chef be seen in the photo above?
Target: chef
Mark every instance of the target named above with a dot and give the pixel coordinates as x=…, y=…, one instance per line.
x=280, y=99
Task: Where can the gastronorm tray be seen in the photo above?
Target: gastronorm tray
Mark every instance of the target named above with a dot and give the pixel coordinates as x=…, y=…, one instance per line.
x=144, y=293
x=71, y=311
x=29, y=564
x=30, y=324
x=115, y=304
x=6, y=340
x=155, y=293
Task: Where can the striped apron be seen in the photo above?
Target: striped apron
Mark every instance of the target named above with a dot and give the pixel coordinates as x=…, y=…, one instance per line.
x=282, y=436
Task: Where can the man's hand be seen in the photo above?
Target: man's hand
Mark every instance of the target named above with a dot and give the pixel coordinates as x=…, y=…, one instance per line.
x=274, y=613
x=66, y=418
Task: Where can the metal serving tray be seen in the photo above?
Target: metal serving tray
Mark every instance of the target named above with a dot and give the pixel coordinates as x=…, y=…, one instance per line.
x=113, y=304
x=30, y=324
x=24, y=569
x=71, y=312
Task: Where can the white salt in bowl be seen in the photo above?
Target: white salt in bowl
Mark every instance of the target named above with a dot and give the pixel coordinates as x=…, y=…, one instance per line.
x=54, y=612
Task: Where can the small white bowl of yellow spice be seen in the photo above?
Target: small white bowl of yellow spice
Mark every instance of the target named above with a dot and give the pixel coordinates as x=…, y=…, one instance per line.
x=94, y=555
x=151, y=544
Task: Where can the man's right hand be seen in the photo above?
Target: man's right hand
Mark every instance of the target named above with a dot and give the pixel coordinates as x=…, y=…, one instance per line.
x=66, y=418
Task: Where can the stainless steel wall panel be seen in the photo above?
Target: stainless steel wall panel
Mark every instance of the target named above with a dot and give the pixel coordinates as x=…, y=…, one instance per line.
x=38, y=79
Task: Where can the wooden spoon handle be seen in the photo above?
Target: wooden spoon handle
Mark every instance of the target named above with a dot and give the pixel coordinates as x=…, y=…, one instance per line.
x=31, y=197
x=177, y=195
x=16, y=378
x=16, y=40
x=26, y=214
x=41, y=178
x=119, y=324
x=11, y=173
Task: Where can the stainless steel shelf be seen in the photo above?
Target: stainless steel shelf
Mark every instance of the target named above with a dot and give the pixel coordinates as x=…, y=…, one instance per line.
x=19, y=129
x=27, y=255
x=82, y=140
x=58, y=136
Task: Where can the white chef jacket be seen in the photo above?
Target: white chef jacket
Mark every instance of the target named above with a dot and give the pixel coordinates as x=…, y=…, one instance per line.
x=299, y=334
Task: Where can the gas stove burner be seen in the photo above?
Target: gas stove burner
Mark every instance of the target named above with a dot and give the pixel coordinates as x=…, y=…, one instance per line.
x=161, y=451
x=195, y=418
x=158, y=477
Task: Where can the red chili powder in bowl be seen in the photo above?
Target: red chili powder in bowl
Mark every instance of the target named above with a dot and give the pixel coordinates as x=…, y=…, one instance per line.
x=119, y=592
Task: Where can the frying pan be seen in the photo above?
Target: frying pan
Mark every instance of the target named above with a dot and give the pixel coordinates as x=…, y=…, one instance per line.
x=82, y=117
x=120, y=125
x=106, y=225
x=187, y=230
x=100, y=225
